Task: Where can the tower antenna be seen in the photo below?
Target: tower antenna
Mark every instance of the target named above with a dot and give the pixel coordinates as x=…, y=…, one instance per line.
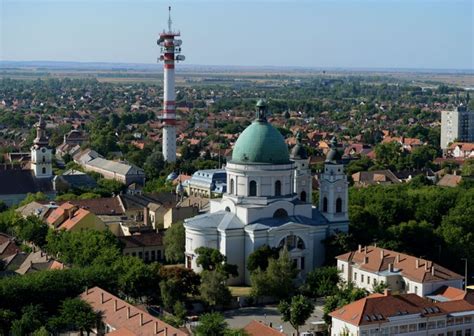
x=169, y=19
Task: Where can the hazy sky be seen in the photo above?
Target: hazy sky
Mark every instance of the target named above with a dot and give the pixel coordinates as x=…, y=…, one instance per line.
x=336, y=33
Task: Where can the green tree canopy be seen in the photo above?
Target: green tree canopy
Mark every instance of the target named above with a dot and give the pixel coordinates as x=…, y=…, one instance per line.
x=174, y=241
x=297, y=311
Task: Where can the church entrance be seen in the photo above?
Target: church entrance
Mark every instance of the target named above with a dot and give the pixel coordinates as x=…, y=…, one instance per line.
x=296, y=247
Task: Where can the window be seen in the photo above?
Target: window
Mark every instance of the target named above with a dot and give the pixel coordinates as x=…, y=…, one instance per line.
x=153, y=255
x=158, y=253
x=325, y=204
x=368, y=280
x=302, y=263
x=277, y=188
x=449, y=333
x=44, y=158
x=43, y=170
x=393, y=330
x=253, y=188
x=227, y=209
x=416, y=289
x=280, y=213
x=342, y=267
x=338, y=205
x=355, y=276
x=362, y=278
x=450, y=321
x=147, y=255
x=231, y=186
x=412, y=327
x=134, y=254
x=458, y=332
x=303, y=196
x=403, y=329
x=291, y=242
x=188, y=261
x=140, y=255
x=364, y=333
x=422, y=326
x=440, y=324
x=432, y=325
x=468, y=319
x=458, y=320
x=467, y=332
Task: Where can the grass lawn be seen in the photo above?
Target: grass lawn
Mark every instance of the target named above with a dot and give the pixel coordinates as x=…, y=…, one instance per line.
x=240, y=291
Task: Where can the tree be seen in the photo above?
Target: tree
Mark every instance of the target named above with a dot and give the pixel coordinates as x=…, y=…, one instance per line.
x=174, y=241
x=214, y=290
x=388, y=154
x=212, y=259
x=322, y=281
x=39, y=196
x=75, y=314
x=346, y=294
x=6, y=318
x=211, y=324
x=259, y=258
x=154, y=164
x=277, y=280
x=135, y=279
x=297, y=311
x=32, y=229
x=379, y=287
x=467, y=168
x=32, y=318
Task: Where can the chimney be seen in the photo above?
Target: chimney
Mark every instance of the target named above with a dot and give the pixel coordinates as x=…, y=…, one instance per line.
x=141, y=319
x=145, y=216
x=381, y=254
x=156, y=328
x=375, y=244
x=87, y=290
x=166, y=331
x=427, y=268
x=101, y=297
x=128, y=312
x=432, y=270
x=115, y=305
x=417, y=263
x=398, y=257
x=390, y=267
x=387, y=292
x=360, y=248
x=366, y=260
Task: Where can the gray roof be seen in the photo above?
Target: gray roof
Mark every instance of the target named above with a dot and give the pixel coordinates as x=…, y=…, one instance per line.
x=116, y=167
x=214, y=179
x=221, y=220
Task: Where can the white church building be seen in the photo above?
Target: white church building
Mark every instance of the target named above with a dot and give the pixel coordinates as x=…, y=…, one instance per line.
x=268, y=201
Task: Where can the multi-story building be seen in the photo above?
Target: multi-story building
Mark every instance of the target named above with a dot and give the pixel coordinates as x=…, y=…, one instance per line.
x=457, y=125
x=386, y=314
x=206, y=183
x=403, y=273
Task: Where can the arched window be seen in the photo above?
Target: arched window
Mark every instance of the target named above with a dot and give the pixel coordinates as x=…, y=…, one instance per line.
x=291, y=242
x=44, y=158
x=231, y=186
x=278, y=188
x=253, y=188
x=280, y=213
x=44, y=170
x=303, y=196
x=339, y=205
x=325, y=204
x=227, y=209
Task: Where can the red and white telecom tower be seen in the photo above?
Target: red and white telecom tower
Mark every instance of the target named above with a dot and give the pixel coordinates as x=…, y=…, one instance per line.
x=170, y=52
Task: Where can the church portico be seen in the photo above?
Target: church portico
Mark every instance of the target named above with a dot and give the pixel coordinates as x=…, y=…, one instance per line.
x=268, y=203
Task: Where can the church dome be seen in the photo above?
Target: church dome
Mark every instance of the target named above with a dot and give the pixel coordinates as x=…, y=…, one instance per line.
x=261, y=142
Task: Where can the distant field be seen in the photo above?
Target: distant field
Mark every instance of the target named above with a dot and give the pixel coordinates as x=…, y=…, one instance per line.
x=232, y=76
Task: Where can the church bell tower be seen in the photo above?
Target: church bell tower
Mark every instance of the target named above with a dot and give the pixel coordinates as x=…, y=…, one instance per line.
x=41, y=154
x=333, y=190
x=302, y=175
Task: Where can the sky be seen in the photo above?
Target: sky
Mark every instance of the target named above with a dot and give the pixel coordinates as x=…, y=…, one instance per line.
x=423, y=34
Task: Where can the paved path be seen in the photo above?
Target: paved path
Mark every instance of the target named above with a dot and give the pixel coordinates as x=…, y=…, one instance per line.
x=238, y=318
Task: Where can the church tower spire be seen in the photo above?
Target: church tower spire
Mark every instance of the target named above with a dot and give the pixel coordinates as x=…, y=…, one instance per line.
x=41, y=154
x=333, y=190
x=302, y=183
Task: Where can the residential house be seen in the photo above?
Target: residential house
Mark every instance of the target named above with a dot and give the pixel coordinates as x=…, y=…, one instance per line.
x=450, y=180
x=207, y=183
x=70, y=217
x=146, y=245
x=370, y=265
x=461, y=150
x=376, y=177
x=258, y=328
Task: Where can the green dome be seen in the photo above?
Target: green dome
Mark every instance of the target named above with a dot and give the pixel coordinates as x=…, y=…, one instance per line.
x=260, y=143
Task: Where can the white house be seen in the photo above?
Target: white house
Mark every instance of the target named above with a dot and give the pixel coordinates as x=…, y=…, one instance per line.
x=370, y=265
x=268, y=201
x=386, y=314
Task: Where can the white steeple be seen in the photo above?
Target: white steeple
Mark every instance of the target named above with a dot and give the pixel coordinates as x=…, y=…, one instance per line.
x=333, y=191
x=302, y=176
x=41, y=154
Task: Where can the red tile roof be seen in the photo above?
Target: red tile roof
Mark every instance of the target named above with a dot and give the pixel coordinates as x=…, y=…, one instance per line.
x=78, y=215
x=378, y=308
x=256, y=328
x=125, y=317
x=413, y=268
